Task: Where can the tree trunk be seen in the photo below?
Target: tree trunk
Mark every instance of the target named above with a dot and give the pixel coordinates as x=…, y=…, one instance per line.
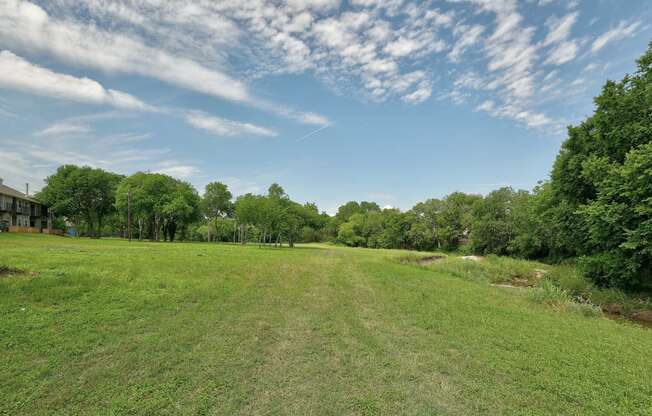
x=172, y=231
x=89, y=225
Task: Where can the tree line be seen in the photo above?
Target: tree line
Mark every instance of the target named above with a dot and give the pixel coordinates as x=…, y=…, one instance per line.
x=596, y=208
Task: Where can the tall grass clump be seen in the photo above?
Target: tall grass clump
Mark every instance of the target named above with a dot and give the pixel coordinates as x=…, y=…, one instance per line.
x=571, y=280
x=548, y=293
x=492, y=269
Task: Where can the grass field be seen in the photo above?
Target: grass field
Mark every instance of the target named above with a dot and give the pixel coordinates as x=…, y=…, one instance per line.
x=107, y=327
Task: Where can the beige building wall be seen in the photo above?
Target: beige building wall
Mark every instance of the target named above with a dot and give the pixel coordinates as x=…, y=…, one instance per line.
x=4, y=200
x=22, y=220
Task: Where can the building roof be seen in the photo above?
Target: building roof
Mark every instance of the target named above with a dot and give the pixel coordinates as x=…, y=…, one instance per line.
x=5, y=190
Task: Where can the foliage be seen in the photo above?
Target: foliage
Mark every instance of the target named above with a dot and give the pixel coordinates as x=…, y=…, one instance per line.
x=215, y=204
x=274, y=217
x=158, y=203
x=493, y=227
x=81, y=194
x=603, y=176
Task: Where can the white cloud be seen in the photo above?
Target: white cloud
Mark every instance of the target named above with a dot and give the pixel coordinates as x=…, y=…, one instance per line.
x=531, y=119
x=312, y=118
x=168, y=41
x=17, y=73
x=562, y=53
x=65, y=128
x=313, y=4
x=591, y=67
x=402, y=47
x=176, y=170
x=487, y=106
x=375, y=50
x=27, y=25
x=241, y=186
x=559, y=28
x=621, y=31
x=419, y=95
x=510, y=51
x=223, y=127
x=469, y=36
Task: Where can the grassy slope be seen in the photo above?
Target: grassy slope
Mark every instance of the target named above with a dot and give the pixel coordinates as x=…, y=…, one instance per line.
x=112, y=328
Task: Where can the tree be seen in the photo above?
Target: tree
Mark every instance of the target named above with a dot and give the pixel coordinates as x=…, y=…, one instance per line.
x=81, y=194
x=135, y=187
x=276, y=191
x=352, y=207
x=619, y=223
x=494, y=228
x=159, y=203
x=454, y=220
x=423, y=221
x=181, y=209
x=216, y=202
x=592, y=167
x=247, y=212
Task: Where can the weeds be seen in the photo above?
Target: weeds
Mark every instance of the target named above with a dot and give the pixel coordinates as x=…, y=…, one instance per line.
x=548, y=293
x=492, y=269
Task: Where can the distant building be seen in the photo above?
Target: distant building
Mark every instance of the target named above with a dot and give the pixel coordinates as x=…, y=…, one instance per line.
x=18, y=209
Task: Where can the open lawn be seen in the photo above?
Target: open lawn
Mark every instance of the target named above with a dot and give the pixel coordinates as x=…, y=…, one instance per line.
x=108, y=327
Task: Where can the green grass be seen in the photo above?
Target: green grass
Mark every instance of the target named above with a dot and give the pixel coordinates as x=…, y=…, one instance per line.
x=107, y=327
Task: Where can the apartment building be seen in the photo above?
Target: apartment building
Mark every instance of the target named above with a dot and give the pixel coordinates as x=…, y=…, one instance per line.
x=18, y=209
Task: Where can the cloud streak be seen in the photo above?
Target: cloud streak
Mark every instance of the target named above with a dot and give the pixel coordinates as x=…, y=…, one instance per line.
x=622, y=31
x=25, y=25
x=17, y=73
x=225, y=128
x=29, y=26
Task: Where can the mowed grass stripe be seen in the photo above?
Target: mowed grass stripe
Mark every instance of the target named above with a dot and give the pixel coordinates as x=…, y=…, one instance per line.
x=108, y=327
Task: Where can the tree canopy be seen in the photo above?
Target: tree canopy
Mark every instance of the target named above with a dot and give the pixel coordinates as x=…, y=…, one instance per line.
x=81, y=195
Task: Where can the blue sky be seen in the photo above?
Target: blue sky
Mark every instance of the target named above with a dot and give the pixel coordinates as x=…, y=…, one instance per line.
x=391, y=101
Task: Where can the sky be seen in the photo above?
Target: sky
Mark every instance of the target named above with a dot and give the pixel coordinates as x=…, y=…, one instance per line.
x=336, y=100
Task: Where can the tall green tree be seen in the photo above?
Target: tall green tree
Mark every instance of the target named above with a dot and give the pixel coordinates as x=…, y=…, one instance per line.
x=582, y=180
x=81, y=194
x=216, y=203
x=160, y=204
